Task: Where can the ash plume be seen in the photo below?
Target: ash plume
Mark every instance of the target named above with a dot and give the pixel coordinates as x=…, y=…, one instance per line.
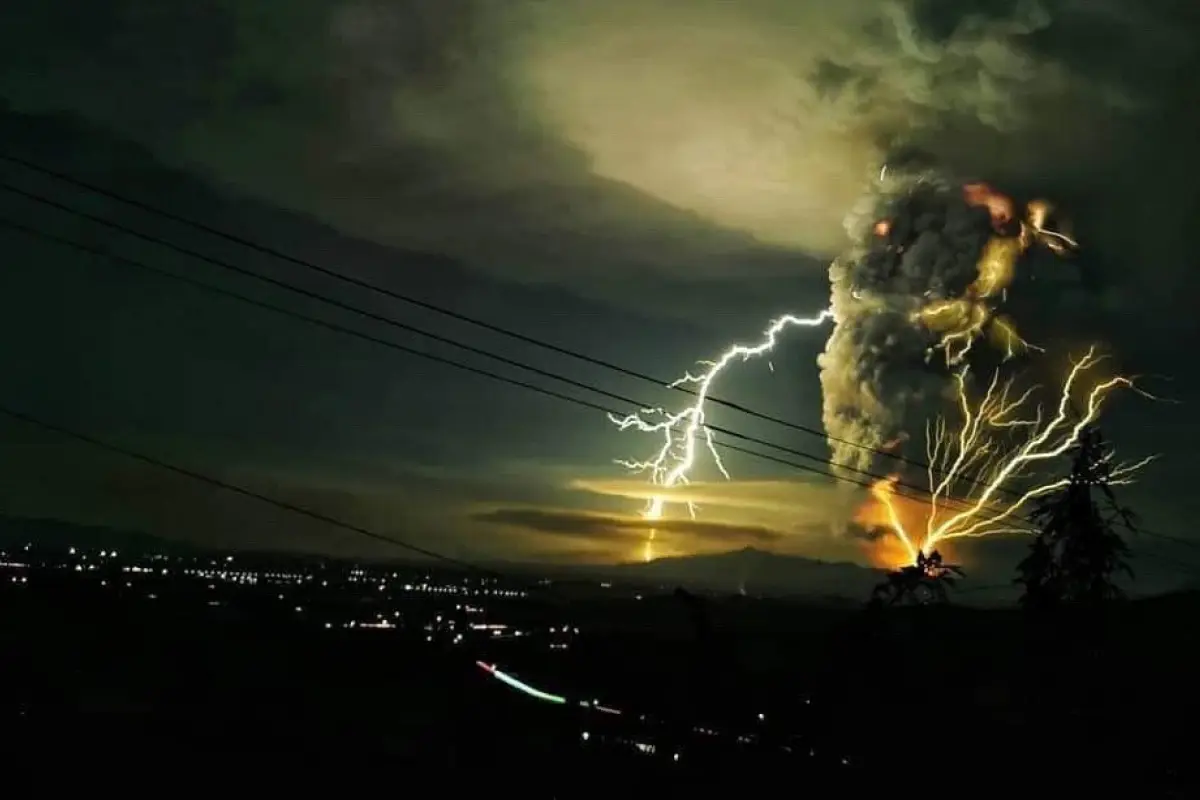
x=917, y=241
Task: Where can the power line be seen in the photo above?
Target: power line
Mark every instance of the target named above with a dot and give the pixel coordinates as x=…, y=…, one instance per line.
x=318, y=516
x=482, y=324
x=37, y=233
x=233, y=487
x=822, y=460
x=333, y=326
x=478, y=323
x=418, y=303
x=1174, y=562
x=240, y=490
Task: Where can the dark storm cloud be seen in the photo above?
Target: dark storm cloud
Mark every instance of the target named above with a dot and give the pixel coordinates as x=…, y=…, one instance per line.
x=604, y=528
x=1100, y=120
x=876, y=375
x=391, y=120
x=569, y=141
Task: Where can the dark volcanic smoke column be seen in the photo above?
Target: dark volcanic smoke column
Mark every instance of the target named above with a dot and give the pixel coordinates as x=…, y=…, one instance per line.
x=918, y=241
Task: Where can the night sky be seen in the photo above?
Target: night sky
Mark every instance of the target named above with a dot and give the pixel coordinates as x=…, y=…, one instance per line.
x=639, y=180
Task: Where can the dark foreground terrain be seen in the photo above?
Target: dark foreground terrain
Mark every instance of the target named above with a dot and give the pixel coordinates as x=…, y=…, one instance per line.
x=956, y=700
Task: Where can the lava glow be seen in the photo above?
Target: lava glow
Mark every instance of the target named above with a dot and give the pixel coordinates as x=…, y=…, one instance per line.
x=999, y=207
x=683, y=431
x=978, y=465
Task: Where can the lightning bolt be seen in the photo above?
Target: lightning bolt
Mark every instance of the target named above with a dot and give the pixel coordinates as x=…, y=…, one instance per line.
x=979, y=444
x=980, y=458
x=961, y=321
x=684, y=432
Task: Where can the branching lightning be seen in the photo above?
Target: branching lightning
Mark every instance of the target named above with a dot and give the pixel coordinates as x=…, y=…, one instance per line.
x=987, y=464
x=683, y=432
x=979, y=461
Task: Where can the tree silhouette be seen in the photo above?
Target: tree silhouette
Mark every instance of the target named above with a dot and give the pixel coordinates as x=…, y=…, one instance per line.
x=921, y=583
x=1069, y=579
x=1078, y=552
x=1039, y=574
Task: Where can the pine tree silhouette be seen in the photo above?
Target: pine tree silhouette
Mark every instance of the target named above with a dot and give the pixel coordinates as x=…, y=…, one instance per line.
x=1078, y=552
x=1070, y=582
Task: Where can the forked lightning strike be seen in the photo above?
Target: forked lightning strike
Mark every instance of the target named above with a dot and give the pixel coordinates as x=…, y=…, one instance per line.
x=681, y=431
x=981, y=462
x=995, y=446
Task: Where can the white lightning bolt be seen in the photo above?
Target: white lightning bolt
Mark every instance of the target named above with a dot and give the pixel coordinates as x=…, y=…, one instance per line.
x=681, y=431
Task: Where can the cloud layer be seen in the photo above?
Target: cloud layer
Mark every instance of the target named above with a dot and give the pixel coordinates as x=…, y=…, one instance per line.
x=613, y=529
x=579, y=140
x=801, y=516
x=800, y=501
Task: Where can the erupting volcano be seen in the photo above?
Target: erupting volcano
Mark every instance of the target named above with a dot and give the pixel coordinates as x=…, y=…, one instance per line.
x=924, y=283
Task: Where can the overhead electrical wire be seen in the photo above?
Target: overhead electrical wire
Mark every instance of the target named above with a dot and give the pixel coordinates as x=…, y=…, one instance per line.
x=416, y=330
x=391, y=321
x=411, y=328
x=467, y=319
x=416, y=302
x=202, y=285
x=228, y=486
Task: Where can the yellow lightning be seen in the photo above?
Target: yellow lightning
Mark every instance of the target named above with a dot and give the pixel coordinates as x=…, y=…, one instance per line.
x=979, y=459
x=958, y=323
x=962, y=321
x=683, y=431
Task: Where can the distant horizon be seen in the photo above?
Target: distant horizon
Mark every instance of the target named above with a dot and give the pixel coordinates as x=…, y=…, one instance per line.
x=631, y=572
x=8, y=518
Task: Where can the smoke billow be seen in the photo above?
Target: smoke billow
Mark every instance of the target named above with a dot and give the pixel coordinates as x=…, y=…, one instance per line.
x=917, y=241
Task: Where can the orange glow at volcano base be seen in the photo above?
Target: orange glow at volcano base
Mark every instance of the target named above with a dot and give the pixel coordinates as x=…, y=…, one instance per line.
x=1002, y=440
x=892, y=516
